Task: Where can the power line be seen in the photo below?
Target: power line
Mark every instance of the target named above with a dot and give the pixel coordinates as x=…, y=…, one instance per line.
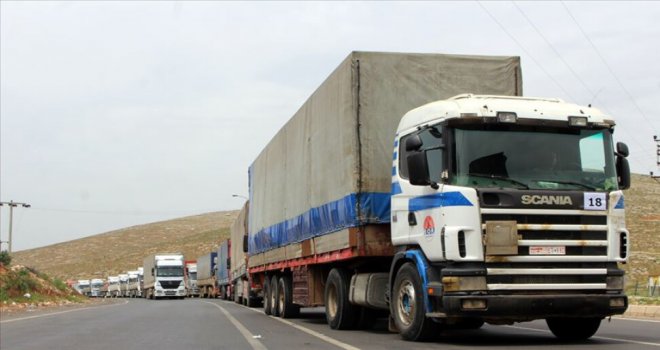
x=616, y=78
x=525, y=51
x=570, y=68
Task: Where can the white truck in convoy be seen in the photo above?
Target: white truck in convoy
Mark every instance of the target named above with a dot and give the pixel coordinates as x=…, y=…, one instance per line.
x=163, y=276
x=84, y=287
x=190, y=274
x=393, y=188
x=123, y=285
x=96, y=287
x=114, y=289
x=133, y=287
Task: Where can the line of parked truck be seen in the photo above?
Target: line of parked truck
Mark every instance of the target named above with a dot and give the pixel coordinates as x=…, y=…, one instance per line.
x=395, y=192
x=125, y=285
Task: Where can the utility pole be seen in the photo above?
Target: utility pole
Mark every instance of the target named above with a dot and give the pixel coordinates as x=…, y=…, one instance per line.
x=657, y=155
x=12, y=205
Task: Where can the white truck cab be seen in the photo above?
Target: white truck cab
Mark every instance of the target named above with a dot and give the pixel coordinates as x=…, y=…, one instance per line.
x=163, y=276
x=96, y=286
x=507, y=209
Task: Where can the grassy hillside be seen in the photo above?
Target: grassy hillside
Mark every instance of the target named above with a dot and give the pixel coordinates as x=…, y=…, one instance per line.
x=122, y=250
x=22, y=285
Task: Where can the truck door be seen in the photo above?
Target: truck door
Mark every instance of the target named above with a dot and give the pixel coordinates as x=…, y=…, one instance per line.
x=412, y=219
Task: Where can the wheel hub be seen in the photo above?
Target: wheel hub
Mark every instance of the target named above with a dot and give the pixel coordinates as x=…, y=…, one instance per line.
x=406, y=303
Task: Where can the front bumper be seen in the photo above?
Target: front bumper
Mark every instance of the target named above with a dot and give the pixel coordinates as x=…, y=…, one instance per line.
x=528, y=307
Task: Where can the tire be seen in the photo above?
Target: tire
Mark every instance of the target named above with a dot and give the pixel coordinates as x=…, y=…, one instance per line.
x=408, y=305
x=573, y=329
x=268, y=309
x=274, y=296
x=339, y=312
x=285, y=298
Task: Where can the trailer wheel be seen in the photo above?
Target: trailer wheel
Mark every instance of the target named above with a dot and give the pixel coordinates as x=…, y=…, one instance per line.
x=268, y=310
x=339, y=312
x=285, y=298
x=573, y=329
x=274, y=296
x=408, y=305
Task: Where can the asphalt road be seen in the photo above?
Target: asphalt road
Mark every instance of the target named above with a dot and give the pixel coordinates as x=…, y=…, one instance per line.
x=215, y=324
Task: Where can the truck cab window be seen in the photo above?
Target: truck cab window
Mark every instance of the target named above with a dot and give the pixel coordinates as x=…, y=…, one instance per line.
x=431, y=143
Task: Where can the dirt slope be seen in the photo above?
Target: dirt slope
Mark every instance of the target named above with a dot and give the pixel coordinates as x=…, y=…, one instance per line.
x=117, y=251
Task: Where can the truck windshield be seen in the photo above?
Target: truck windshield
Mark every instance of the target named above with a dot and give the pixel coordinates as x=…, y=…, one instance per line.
x=169, y=271
x=573, y=159
x=193, y=275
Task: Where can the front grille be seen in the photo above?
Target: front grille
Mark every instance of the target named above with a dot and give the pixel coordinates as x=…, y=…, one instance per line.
x=570, y=253
x=170, y=284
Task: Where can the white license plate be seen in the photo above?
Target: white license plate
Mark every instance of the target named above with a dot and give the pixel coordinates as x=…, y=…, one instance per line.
x=556, y=250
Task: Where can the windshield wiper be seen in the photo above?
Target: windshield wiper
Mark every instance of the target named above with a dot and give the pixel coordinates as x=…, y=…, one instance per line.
x=500, y=177
x=589, y=187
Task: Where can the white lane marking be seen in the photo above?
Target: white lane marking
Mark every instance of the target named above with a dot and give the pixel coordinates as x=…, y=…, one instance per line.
x=249, y=337
x=62, y=312
x=594, y=337
x=321, y=336
x=318, y=335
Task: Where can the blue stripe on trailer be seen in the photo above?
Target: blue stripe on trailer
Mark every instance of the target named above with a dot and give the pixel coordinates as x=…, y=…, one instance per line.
x=374, y=208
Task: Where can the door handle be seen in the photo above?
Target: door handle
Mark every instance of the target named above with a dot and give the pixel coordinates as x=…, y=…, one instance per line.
x=412, y=219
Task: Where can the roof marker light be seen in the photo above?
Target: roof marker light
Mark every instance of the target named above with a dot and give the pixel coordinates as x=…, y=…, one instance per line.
x=577, y=121
x=507, y=117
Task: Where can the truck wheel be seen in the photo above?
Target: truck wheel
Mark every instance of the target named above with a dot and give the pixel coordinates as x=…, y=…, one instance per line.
x=408, y=305
x=573, y=329
x=285, y=300
x=274, y=296
x=339, y=312
x=267, y=307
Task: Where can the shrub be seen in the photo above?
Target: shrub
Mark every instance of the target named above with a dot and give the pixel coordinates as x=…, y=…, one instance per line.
x=5, y=258
x=59, y=284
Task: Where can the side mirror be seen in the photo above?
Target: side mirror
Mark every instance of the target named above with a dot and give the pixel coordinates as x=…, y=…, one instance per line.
x=622, y=149
x=418, y=169
x=152, y=271
x=623, y=171
x=245, y=244
x=413, y=143
x=228, y=263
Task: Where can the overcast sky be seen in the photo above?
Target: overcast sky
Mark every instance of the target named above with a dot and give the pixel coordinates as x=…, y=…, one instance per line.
x=117, y=113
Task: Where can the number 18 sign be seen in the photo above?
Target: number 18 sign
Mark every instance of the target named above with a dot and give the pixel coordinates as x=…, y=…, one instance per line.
x=595, y=201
